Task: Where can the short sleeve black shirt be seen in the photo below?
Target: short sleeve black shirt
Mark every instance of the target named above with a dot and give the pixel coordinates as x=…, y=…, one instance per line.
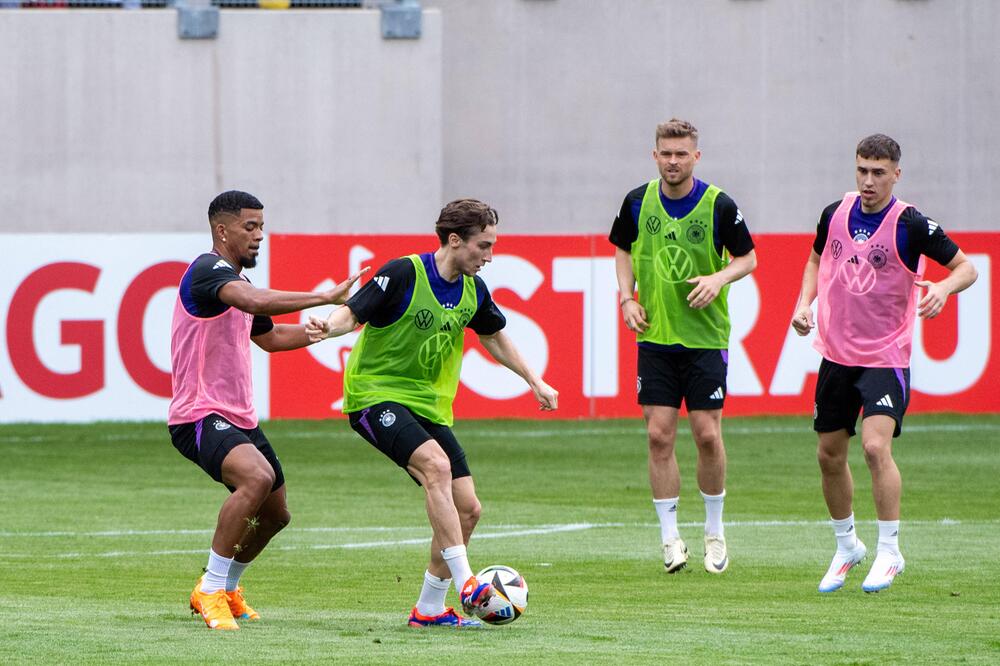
x=199, y=290
x=383, y=299
x=729, y=227
x=916, y=235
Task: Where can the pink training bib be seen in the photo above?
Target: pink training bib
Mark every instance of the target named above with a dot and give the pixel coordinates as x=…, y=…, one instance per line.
x=867, y=297
x=211, y=367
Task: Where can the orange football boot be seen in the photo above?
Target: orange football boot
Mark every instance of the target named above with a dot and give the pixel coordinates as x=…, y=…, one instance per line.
x=239, y=606
x=213, y=608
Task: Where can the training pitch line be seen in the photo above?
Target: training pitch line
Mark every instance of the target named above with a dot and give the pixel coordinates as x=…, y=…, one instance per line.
x=493, y=532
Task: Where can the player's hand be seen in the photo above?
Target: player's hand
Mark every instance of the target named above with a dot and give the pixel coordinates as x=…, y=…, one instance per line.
x=317, y=329
x=547, y=397
x=338, y=295
x=706, y=288
x=635, y=316
x=802, y=322
x=932, y=303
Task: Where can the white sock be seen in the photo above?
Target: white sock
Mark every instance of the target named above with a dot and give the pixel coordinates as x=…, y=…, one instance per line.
x=843, y=529
x=215, y=573
x=458, y=563
x=236, y=570
x=666, y=509
x=432, y=594
x=713, y=513
x=888, y=535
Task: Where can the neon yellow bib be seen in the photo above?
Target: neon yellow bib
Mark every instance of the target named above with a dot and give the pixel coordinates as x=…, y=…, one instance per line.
x=416, y=360
x=665, y=255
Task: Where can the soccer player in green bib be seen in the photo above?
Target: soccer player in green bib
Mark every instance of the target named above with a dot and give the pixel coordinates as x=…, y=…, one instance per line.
x=401, y=380
x=682, y=242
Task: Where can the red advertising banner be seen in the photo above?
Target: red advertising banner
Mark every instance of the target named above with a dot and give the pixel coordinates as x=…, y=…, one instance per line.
x=560, y=298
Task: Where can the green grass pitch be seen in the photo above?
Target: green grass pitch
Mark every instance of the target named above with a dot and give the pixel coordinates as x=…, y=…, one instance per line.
x=104, y=529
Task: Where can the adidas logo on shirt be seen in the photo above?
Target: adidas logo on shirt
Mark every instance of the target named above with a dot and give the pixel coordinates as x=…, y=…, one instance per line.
x=382, y=281
x=718, y=395
x=886, y=401
x=221, y=263
x=931, y=227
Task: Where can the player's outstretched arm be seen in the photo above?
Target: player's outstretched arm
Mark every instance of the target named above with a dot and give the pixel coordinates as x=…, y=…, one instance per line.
x=802, y=320
x=242, y=295
x=504, y=352
x=963, y=274
x=283, y=337
x=708, y=287
x=340, y=322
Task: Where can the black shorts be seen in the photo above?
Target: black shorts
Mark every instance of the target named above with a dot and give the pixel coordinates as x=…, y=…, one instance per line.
x=397, y=432
x=207, y=442
x=696, y=376
x=842, y=391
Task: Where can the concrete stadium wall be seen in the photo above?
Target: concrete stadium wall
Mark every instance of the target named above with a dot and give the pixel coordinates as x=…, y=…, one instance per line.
x=112, y=123
x=545, y=108
x=550, y=105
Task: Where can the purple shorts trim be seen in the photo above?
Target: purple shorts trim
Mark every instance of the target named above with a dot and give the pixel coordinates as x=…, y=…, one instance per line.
x=197, y=433
x=364, y=422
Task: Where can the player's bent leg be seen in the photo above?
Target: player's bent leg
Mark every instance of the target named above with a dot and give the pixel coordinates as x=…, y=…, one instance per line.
x=887, y=484
x=838, y=484
x=271, y=519
x=249, y=473
x=665, y=481
x=706, y=428
x=432, y=468
x=463, y=491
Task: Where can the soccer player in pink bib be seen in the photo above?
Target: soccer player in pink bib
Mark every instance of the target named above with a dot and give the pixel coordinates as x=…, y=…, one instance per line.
x=212, y=420
x=866, y=268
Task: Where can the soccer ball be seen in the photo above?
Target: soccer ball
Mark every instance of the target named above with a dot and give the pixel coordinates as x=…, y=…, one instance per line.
x=510, y=596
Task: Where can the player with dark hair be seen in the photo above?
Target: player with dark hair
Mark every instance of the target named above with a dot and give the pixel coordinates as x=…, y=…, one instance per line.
x=401, y=380
x=216, y=316
x=866, y=266
x=682, y=242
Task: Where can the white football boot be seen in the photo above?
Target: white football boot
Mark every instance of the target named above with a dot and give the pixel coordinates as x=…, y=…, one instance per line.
x=675, y=555
x=843, y=561
x=884, y=569
x=716, y=554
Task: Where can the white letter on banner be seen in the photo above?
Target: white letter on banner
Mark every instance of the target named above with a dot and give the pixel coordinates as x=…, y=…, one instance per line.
x=490, y=379
x=964, y=367
x=595, y=279
x=744, y=306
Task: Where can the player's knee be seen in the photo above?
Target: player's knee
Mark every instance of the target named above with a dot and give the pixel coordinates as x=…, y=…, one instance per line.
x=281, y=520
x=709, y=441
x=661, y=440
x=437, y=470
x=259, y=482
x=877, y=450
x=831, y=461
x=470, y=514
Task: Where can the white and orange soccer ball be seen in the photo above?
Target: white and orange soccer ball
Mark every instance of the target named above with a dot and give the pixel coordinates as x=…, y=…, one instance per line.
x=510, y=597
